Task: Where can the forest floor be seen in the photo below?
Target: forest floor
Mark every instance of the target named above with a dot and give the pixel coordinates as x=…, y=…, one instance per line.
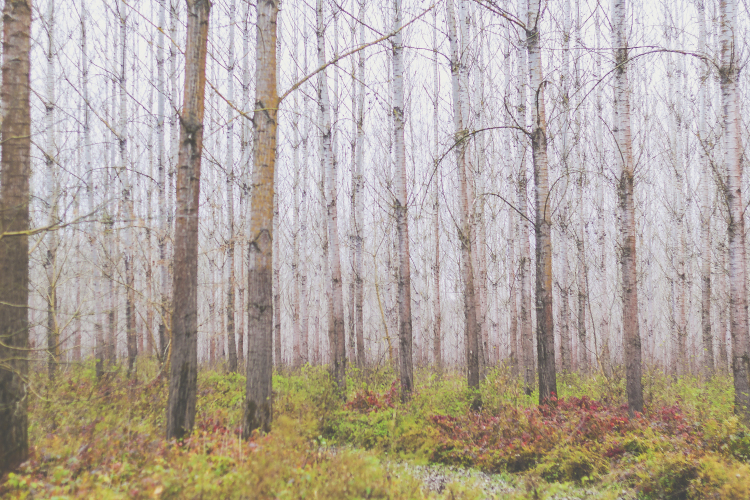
x=105, y=439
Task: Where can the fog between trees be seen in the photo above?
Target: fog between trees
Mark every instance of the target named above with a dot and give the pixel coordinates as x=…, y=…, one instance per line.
x=557, y=186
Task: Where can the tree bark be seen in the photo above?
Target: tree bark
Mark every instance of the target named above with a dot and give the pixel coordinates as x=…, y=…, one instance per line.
x=184, y=362
x=730, y=108
x=337, y=334
x=402, y=213
x=15, y=171
x=231, y=341
x=706, y=211
x=437, y=313
x=628, y=260
x=543, y=221
x=303, y=270
x=464, y=229
x=127, y=196
x=296, y=260
x=526, y=340
x=50, y=264
x=258, y=403
x=95, y=259
x=357, y=197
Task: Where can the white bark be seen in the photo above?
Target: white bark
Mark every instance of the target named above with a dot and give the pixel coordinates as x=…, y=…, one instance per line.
x=730, y=113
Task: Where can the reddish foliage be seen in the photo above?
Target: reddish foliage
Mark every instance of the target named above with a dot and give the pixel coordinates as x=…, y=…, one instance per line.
x=366, y=400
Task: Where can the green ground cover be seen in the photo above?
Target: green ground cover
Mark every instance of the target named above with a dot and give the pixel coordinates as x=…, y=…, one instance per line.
x=105, y=439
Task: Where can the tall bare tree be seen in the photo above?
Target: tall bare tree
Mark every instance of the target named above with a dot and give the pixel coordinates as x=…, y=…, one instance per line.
x=402, y=212
x=184, y=361
x=50, y=263
x=730, y=113
x=15, y=172
x=358, y=194
x=258, y=404
x=705, y=201
x=464, y=230
x=543, y=222
x=437, y=313
x=231, y=341
x=628, y=261
x=336, y=334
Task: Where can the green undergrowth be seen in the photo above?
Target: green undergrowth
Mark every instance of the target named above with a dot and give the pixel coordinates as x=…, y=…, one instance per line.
x=105, y=439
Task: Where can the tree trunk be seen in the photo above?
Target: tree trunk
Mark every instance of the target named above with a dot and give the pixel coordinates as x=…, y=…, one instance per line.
x=303, y=270
x=526, y=340
x=184, y=362
x=437, y=330
x=276, y=249
x=730, y=108
x=296, y=278
x=15, y=171
x=402, y=213
x=161, y=161
x=464, y=229
x=628, y=260
x=95, y=260
x=543, y=222
x=357, y=196
x=258, y=403
x=127, y=197
x=706, y=211
x=50, y=264
x=244, y=160
x=336, y=327
x=567, y=229
x=231, y=341
x=564, y=284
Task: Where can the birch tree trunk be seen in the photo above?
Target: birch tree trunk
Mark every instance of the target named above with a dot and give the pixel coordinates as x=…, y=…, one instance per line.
x=543, y=222
x=566, y=346
x=706, y=175
x=628, y=260
x=111, y=158
x=184, y=361
x=480, y=230
x=50, y=264
x=244, y=161
x=581, y=267
x=161, y=165
x=336, y=328
x=127, y=196
x=464, y=229
x=437, y=328
x=358, y=195
x=93, y=244
x=296, y=278
x=730, y=112
x=258, y=403
x=303, y=278
x=402, y=213
x=526, y=340
x=231, y=342
x=15, y=171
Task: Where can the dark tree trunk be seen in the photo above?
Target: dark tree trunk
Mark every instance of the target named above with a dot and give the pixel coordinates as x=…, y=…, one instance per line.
x=184, y=361
x=258, y=404
x=15, y=170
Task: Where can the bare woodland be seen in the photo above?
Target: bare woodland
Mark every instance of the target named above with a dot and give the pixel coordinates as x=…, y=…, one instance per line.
x=552, y=186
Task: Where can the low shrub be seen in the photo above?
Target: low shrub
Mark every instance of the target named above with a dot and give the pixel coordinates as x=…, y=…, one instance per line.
x=572, y=463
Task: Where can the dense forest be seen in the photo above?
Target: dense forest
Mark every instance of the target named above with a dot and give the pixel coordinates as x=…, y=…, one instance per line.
x=374, y=249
